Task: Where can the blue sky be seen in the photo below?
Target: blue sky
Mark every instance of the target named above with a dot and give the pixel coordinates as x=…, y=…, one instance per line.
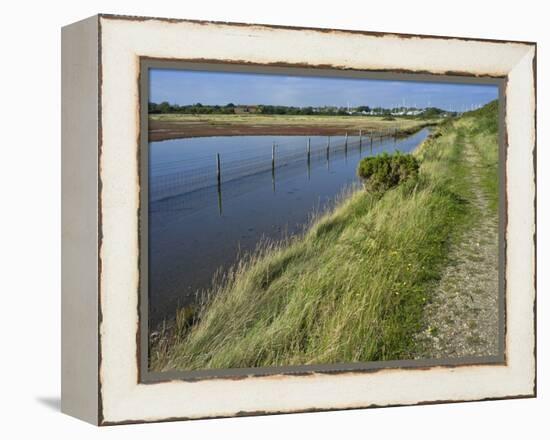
x=189, y=87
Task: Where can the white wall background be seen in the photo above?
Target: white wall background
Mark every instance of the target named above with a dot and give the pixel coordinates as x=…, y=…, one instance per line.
x=30, y=217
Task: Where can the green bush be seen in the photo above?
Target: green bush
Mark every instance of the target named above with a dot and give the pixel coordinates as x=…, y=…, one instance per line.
x=385, y=171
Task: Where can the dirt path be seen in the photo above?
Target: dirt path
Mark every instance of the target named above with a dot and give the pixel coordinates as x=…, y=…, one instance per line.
x=462, y=319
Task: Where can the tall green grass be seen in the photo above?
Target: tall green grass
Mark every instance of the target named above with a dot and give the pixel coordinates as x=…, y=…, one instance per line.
x=482, y=126
x=352, y=288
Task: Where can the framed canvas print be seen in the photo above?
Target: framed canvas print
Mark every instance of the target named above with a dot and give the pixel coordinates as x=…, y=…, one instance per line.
x=265, y=219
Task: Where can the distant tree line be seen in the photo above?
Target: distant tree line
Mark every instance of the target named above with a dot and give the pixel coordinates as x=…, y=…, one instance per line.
x=198, y=108
x=203, y=109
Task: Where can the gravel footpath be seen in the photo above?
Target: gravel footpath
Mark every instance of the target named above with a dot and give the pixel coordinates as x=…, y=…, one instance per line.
x=462, y=319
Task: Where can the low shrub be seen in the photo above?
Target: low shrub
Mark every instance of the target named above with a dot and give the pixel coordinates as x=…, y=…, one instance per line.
x=385, y=171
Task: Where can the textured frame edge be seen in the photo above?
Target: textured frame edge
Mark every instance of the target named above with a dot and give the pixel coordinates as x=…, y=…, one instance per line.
x=80, y=220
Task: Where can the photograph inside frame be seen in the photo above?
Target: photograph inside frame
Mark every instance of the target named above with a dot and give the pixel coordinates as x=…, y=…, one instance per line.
x=303, y=220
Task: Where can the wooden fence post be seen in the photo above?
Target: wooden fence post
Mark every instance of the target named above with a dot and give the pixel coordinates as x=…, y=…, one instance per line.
x=218, y=169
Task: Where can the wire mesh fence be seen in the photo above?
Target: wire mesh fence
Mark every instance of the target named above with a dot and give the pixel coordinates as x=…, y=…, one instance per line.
x=175, y=178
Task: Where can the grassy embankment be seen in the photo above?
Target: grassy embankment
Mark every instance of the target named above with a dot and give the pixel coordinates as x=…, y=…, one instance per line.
x=481, y=128
x=354, y=286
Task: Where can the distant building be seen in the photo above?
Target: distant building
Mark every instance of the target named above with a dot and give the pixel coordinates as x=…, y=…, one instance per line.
x=414, y=112
x=407, y=112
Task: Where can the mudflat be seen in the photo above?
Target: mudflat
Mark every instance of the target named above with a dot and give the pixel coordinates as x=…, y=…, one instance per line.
x=174, y=126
